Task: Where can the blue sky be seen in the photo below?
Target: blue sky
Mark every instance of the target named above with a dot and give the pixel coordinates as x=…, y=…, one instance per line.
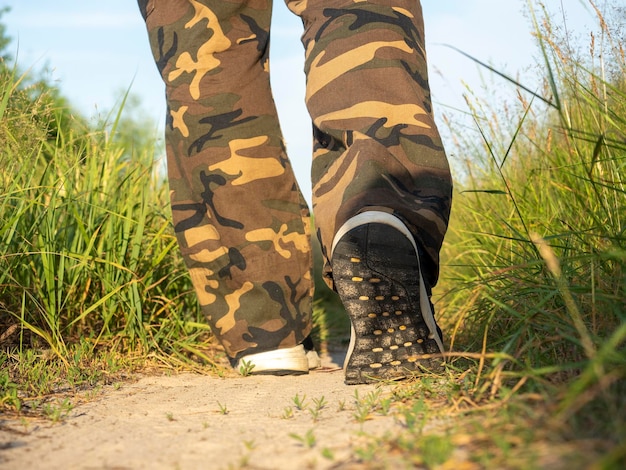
x=95, y=50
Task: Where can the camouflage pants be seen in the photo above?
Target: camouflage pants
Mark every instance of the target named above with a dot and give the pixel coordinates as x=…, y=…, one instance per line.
x=241, y=221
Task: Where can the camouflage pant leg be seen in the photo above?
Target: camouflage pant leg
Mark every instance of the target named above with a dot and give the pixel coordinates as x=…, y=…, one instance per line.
x=376, y=145
x=239, y=216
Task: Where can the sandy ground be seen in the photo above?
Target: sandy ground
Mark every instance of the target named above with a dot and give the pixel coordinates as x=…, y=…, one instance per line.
x=191, y=421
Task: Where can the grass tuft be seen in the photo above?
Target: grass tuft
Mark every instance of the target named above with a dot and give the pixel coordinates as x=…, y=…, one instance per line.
x=535, y=283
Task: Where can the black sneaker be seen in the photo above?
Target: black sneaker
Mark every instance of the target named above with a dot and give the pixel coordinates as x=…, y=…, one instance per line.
x=376, y=271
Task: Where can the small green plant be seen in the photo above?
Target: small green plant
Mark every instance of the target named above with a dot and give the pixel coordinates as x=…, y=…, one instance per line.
x=367, y=405
x=57, y=411
x=8, y=389
x=319, y=404
x=249, y=445
x=287, y=413
x=415, y=416
x=223, y=408
x=315, y=414
x=93, y=393
x=367, y=453
x=246, y=368
x=362, y=413
x=328, y=453
x=435, y=449
x=170, y=416
x=371, y=399
x=385, y=406
x=308, y=440
x=299, y=401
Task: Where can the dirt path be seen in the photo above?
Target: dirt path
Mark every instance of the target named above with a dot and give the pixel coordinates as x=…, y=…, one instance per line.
x=192, y=421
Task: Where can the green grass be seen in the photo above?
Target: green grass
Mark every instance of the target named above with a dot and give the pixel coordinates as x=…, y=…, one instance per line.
x=532, y=295
x=86, y=246
x=534, y=283
x=87, y=251
x=37, y=382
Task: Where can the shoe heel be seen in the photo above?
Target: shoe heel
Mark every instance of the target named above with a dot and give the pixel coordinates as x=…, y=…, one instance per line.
x=376, y=271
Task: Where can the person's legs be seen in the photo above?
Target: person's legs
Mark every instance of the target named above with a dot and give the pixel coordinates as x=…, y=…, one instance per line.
x=240, y=219
x=377, y=152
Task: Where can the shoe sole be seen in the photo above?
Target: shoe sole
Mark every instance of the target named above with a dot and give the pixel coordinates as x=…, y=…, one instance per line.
x=376, y=273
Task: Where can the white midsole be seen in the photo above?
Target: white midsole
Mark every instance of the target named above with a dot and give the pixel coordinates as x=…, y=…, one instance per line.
x=288, y=359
